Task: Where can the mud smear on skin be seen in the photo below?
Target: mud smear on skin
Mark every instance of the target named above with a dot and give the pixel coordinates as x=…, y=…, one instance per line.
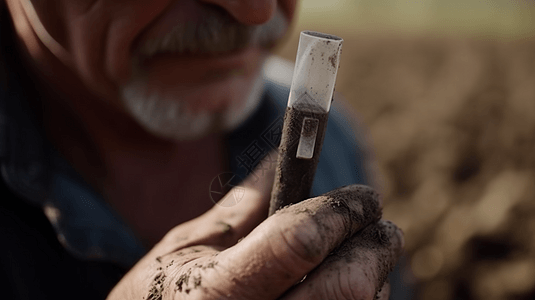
x=379, y=240
x=157, y=289
x=384, y=291
x=358, y=204
x=341, y=198
x=183, y=283
x=372, y=252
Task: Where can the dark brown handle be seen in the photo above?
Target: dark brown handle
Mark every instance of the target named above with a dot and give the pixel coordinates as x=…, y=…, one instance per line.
x=294, y=176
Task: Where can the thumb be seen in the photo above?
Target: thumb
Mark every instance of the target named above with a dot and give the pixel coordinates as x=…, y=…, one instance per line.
x=291, y=243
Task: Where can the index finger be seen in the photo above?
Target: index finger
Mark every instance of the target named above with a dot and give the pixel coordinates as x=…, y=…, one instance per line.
x=292, y=242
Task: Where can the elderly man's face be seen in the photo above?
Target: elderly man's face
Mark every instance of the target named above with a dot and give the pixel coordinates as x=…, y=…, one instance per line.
x=179, y=67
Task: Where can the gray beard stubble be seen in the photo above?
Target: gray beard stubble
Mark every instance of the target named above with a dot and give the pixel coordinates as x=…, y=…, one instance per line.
x=167, y=116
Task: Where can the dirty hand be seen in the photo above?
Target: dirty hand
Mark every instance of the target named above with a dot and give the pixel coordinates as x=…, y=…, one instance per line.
x=336, y=240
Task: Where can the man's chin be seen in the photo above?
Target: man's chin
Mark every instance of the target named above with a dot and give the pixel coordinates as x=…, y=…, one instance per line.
x=167, y=119
x=170, y=118
x=183, y=130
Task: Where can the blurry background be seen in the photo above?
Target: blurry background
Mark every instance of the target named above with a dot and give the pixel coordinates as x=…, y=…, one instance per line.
x=446, y=90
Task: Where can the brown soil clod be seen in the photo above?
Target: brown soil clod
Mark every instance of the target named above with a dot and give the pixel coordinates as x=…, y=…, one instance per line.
x=210, y=265
x=197, y=281
x=157, y=288
x=183, y=280
x=170, y=264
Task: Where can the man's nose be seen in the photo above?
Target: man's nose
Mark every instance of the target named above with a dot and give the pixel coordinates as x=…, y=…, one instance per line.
x=249, y=12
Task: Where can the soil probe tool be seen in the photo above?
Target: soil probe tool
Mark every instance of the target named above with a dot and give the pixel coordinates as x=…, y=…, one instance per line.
x=305, y=120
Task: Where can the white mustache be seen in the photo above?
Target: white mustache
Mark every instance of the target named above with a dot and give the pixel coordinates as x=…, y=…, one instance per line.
x=219, y=32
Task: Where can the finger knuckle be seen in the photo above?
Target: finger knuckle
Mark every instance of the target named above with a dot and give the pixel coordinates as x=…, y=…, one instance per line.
x=302, y=244
x=358, y=205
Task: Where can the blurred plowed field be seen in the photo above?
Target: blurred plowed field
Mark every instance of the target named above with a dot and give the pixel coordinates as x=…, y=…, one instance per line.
x=452, y=125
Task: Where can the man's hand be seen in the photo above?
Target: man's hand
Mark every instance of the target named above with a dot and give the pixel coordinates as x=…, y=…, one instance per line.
x=336, y=240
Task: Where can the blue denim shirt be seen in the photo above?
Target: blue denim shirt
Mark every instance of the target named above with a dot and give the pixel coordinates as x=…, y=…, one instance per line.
x=84, y=223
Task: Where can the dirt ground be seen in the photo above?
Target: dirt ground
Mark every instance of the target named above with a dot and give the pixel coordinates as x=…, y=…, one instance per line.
x=452, y=123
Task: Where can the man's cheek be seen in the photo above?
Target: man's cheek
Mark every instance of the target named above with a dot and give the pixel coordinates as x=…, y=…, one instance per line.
x=88, y=47
x=101, y=38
